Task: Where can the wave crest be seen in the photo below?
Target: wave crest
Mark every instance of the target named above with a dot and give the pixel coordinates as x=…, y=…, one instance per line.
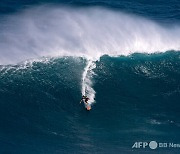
x=90, y=32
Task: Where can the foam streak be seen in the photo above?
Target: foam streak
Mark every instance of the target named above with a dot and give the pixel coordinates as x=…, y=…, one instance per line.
x=87, y=75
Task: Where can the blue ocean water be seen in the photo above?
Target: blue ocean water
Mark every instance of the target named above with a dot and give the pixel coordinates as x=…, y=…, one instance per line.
x=123, y=54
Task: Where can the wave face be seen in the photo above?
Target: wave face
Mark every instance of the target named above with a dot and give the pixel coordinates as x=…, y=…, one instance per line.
x=137, y=98
x=90, y=32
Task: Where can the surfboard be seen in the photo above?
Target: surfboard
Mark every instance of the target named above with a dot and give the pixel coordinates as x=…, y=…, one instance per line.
x=87, y=106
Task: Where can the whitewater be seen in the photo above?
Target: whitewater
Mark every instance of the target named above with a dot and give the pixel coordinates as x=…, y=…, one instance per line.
x=87, y=76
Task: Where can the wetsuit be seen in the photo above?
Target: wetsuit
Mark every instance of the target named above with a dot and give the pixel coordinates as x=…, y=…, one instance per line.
x=86, y=100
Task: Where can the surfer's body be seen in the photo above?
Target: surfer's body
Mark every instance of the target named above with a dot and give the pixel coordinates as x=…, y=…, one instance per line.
x=85, y=100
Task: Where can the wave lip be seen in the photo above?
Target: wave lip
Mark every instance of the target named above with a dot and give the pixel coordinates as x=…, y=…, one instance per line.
x=91, y=32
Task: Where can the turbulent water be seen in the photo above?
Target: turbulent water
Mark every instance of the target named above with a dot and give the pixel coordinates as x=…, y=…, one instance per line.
x=124, y=55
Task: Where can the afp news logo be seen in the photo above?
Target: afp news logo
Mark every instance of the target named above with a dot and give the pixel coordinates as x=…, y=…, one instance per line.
x=154, y=145
x=151, y=145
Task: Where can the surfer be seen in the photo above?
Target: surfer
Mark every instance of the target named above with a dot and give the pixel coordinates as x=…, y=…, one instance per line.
x=85, y=98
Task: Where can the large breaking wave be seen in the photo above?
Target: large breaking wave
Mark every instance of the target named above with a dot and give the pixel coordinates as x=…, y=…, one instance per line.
x=137, y=96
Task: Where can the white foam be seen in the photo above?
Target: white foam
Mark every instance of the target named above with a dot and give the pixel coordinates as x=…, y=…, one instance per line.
x=87, y=84
x=90, y=32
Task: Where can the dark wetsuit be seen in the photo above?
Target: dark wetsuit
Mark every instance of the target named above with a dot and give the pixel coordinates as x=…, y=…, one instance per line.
x=87, y=105
x=85, y=99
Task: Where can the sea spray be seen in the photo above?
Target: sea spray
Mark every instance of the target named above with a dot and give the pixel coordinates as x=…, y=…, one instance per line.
x=87, y=85
x=81, y=32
